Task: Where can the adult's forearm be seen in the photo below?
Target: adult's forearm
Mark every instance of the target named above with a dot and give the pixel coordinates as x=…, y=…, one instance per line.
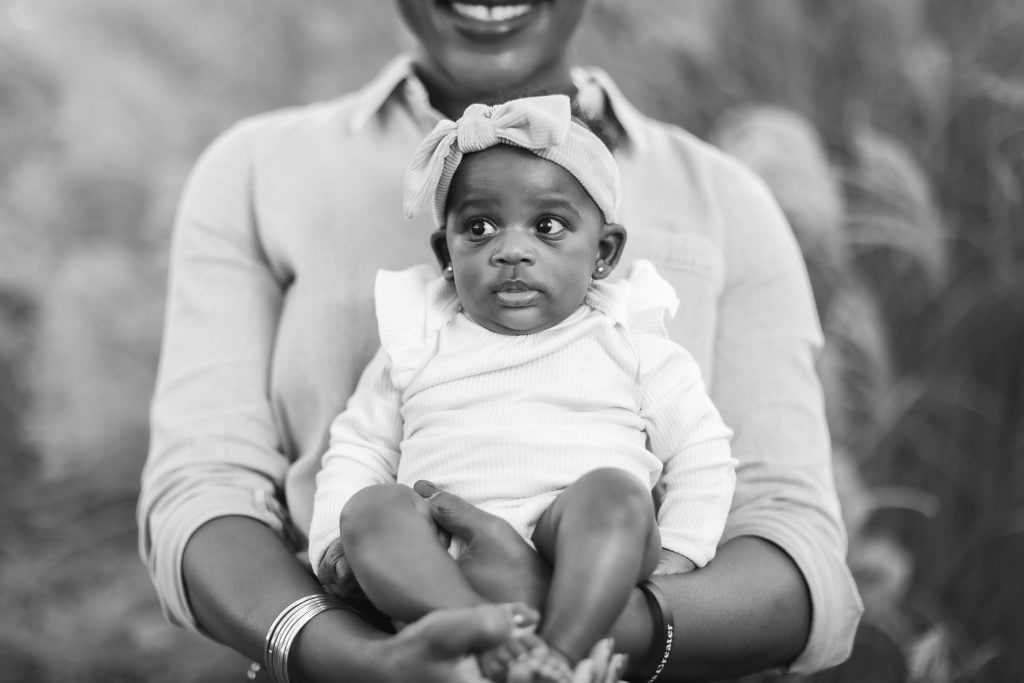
x=239, y=576
x=748, y=610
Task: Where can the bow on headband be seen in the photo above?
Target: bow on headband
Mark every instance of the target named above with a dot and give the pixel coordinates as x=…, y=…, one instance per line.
x=542, y=125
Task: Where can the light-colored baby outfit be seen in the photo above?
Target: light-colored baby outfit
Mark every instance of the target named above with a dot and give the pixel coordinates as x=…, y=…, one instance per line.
x=508, y=421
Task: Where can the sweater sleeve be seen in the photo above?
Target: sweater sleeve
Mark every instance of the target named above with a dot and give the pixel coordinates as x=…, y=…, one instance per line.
x=214, y=450
x=686, y=432
x=363, y=451
x=766, y=386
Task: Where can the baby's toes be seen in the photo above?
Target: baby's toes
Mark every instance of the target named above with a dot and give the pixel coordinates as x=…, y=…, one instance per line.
x=529, y=642
x=523, y=616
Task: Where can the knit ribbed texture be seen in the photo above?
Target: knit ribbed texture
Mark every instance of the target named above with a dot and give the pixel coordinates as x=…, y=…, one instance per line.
x=508, y=421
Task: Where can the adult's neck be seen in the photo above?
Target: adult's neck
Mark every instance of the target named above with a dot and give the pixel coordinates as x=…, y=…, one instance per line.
x=451, y=98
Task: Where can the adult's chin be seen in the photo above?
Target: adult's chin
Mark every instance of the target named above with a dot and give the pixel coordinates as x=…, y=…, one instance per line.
x=493, y=46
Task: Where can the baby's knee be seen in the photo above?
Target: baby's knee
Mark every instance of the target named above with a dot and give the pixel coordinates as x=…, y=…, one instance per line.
x=631, y=501
x=379, y=505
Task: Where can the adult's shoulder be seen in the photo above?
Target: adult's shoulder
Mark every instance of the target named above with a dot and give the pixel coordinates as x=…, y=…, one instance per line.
x=295, y=126
x=717, y=171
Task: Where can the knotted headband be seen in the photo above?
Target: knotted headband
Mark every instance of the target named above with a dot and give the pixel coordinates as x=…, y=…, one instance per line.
x=542, y=125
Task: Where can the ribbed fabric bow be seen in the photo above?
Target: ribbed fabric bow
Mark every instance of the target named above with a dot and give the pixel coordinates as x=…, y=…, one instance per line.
x=542, y=125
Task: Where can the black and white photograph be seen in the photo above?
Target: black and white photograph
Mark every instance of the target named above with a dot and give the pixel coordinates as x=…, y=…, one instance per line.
x=512, y=341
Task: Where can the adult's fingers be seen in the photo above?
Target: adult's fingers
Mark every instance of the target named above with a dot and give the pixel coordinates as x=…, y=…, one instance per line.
x=457, y=632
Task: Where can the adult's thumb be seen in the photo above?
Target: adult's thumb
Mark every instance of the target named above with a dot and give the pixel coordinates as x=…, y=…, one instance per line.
x=452, y=513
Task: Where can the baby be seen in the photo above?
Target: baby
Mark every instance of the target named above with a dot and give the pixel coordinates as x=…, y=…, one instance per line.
x=524, y=382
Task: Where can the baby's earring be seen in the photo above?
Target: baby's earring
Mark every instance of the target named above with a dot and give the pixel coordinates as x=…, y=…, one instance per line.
x=600, y=270
x=449, y=271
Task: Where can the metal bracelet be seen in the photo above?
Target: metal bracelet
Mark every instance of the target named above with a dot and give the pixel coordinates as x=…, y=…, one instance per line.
x=286, y=627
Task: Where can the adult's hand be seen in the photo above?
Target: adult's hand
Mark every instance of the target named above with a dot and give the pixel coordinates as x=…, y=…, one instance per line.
x=436, y=648
x=495, y=559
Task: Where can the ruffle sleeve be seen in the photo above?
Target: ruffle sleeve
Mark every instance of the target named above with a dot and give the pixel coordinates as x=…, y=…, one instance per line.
x=412, y=305
x=641, y=302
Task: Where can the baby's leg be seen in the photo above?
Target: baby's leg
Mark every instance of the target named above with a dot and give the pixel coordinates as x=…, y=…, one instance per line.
x=391, y=543
x=602, y=537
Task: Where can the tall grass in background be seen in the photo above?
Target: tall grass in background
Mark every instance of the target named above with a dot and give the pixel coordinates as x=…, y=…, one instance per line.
x=892, y=134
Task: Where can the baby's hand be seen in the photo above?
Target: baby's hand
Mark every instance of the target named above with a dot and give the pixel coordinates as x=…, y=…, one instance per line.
x=673, y=563
x=335, y=574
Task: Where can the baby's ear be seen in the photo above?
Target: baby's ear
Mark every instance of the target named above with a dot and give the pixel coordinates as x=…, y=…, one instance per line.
x=439, y=245
x=611, y=245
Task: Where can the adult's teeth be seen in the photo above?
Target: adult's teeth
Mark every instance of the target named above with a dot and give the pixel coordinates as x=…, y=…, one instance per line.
x=485, y=13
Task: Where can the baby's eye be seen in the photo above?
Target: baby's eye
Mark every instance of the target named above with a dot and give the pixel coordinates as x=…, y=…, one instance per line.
x=550, y=226
x=480, y=227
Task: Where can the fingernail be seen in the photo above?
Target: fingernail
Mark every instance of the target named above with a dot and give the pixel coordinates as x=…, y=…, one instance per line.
x=425, y=488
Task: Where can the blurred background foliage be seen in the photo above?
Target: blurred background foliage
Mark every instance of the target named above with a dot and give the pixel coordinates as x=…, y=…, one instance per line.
x=892, y=134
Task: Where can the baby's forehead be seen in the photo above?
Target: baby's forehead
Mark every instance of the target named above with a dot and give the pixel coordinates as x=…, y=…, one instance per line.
x=506, y=168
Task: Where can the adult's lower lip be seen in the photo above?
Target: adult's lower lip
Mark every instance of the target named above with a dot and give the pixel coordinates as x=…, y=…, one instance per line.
x=517, y=298
x=491, y=21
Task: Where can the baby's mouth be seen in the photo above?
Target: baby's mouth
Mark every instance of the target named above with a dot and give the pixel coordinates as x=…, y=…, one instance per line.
x=515, y=294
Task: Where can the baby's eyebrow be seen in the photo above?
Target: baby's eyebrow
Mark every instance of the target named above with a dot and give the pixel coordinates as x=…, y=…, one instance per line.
x=557, y=201
x=471, y=200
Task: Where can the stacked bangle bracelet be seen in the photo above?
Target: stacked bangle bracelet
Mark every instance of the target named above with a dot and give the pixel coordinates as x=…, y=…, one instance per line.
x=663, y=626
x=284, y=630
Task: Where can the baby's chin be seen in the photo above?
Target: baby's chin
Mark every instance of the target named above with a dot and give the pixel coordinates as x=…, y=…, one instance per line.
x=516, y=322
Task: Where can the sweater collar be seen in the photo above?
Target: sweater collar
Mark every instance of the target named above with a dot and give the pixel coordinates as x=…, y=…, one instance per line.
x=398, y=79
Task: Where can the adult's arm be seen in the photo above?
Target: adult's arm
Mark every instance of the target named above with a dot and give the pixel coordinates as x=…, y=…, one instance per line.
x=766, y=386
x=211, y=529
x=779, y=593
x=239, y=576
x=337, y=644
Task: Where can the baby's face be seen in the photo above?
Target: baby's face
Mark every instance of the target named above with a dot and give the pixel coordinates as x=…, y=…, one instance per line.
x=524, y=238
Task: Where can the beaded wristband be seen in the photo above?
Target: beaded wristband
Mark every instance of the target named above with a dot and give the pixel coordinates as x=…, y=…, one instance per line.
x=286, y=627
x=663, y=624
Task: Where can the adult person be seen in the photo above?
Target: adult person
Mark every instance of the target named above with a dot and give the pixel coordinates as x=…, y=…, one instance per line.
x=283, y=224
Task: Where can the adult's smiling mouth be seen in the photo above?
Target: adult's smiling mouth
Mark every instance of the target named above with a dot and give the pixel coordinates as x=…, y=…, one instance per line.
x=490, y=13
x=493, y=19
